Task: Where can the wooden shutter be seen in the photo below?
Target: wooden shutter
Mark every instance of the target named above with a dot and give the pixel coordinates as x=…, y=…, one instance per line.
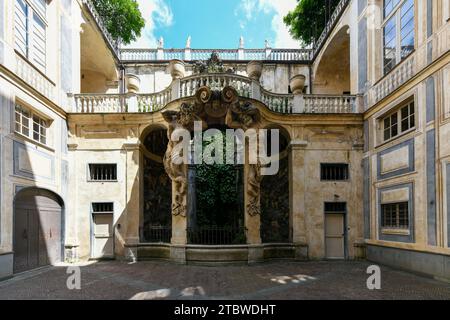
x=21, y=26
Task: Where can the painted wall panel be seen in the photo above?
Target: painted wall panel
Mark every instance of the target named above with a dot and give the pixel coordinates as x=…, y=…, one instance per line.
x=403, y=170
x=431, y=187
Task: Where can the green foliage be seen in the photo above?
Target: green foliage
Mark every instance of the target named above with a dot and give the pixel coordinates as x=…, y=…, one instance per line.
x=307, y=21
x=122, y=18
x=217, y=189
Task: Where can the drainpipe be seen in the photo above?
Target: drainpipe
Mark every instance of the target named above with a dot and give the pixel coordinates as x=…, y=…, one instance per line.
x=309, y=80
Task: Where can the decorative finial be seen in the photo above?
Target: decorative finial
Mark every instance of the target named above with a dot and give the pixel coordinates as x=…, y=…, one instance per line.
x=161, y=43
x=267, y=44
x=188, y=42
x=241, y=42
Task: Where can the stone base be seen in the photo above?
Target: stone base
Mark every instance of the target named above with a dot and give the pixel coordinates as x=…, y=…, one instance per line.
x=218, y=255
x=6, y=265
x=71, y=254
x=426, y=263
x=178, y=254
x=301, y=251
x=255, y=254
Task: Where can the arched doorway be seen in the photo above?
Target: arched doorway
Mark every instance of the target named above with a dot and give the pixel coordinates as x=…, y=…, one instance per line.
x=217, y=194
x=157, y=215
x=38, y=229
x=275, y=222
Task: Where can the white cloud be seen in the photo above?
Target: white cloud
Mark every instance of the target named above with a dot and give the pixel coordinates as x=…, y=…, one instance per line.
x=154, y=12
x=280, y=8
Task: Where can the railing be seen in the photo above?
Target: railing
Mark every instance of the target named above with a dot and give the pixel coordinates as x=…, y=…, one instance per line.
x=98, y=19
x=138, y=54
x=28, y=73
x=99, y=103
x=330, y=25
x=401, y=73
x=205, y=54
x=299, y=55
x=282, y=103
x=290, y=55
x=330, y=104
x=155, y=101
x=189, y=85
x=157, y=234
x=216, y=235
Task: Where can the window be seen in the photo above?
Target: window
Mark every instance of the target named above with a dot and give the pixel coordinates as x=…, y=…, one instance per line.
x=398, y=32
x=335, y=207
x=398, y=122
x=395, y=215
x=333, y=172
x=30, y=30
x=24, y=118
x=102, y=172
x=101, y=207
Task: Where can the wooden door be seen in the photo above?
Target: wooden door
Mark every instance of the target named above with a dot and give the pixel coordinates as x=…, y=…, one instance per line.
x=335, y=236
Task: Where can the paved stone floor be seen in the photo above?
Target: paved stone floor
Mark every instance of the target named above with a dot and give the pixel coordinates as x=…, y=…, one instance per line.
x=275, y=280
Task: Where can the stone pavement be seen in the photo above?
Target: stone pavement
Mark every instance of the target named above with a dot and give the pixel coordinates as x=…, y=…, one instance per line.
x=274, y=280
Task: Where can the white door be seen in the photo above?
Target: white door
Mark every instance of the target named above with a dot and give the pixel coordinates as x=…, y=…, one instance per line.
x=103, y=242
x=334, y=236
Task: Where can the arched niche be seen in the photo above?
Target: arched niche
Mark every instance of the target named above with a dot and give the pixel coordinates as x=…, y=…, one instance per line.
x=156, y=218
x=275, y=220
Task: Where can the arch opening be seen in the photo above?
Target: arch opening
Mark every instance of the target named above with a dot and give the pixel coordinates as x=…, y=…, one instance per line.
x=38, y=229
x=156, y=224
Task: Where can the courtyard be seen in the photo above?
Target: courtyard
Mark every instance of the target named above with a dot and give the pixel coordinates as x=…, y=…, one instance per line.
x=318, y=280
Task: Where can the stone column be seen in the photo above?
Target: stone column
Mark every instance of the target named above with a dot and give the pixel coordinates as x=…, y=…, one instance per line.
x=134, y=206
x=252, y=202
x=296, y=197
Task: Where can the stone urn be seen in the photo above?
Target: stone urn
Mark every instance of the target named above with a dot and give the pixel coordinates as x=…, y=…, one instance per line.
x=254, y=70
x=132, y=82
x=297, y=83
x=177, y=69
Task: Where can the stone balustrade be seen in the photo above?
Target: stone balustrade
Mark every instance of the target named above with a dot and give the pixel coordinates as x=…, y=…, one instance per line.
x=154, y=102
x=269, y=54
x=393, y=80
x=36, y=79
x=330, y=104
x=99, y=103
x=282, y=103
x=187, y=87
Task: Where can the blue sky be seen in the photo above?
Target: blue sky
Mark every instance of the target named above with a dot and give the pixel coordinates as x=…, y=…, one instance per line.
x=215, y=23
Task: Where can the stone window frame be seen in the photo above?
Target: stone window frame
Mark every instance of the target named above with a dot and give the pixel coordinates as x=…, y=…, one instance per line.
x=397, y=235
x=35, y=14
x=396, y=107
x=395, y=15
x=395, y=210
x=44, y=124
x=400, y=119
x=88, y=172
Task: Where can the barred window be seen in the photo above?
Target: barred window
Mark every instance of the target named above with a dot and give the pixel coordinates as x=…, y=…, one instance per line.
x=30, y=31
x=401, y=120
x=102, y=207
x=398, y=32
x=334, y=172
x=335, y=207
x=102, y=172
x=395, y=215
x=23, y=120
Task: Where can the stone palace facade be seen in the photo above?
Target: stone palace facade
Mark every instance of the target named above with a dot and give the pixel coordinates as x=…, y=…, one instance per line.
x=363, y=116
